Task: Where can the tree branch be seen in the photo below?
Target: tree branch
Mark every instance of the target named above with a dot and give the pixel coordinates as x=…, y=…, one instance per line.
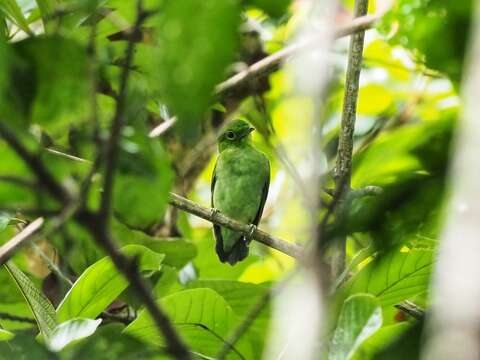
x=343, y=170
x=10, y=247
x=271, y=63
x=283, y=246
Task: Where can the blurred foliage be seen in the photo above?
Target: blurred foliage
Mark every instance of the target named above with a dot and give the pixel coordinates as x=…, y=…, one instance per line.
x=421, y=23
x=61, y=64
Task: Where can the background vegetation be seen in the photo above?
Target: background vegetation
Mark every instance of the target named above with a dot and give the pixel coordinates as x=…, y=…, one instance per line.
x=107, y=106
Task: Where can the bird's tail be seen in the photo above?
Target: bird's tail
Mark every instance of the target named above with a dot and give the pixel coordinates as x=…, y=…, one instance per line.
x=237, y=253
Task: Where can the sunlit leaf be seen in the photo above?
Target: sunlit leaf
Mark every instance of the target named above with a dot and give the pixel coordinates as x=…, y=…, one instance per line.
x=6, y=335
x=101, y=283
x=394, y=277
x=70, y=331
x=360, y=318
x=41, y=307
x=11, y=10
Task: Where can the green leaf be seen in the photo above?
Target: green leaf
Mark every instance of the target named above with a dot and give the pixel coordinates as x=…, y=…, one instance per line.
x=380, y=340
x=360, y=318
x=41, y=307
x=11, y=10
x=48, y=82
x=196, y=42
x=70, y=331
x=242, y=297
x=101, y=283
x=394, y=277
x=201, y=316
x=6, y=335
x=178, y=252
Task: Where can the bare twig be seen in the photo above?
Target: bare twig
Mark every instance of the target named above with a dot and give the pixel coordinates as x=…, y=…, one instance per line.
x=343, y=169
x=9, y=248
x=272, y=62
x=180, y=202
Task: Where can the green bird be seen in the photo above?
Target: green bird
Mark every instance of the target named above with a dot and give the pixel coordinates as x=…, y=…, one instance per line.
x=239, y=188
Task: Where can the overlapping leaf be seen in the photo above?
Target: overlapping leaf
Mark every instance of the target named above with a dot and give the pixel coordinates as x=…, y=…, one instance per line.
x=201, y=316
x=101, y=283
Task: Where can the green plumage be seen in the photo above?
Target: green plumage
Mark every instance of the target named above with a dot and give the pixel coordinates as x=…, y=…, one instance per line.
x=239, y=188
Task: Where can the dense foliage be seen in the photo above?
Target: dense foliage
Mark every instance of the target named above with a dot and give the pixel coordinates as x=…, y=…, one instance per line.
x=71, y=68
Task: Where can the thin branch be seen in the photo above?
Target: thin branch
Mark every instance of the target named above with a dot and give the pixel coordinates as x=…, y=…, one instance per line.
x=43, y=175
x=111, y=148
x=65, y=155
x=271, y=63
x=343, y=170
x=10, y=247
x=283, y=246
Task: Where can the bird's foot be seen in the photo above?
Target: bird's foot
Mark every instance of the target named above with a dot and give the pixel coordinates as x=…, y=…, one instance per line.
x=213, y=214
x=251, y=231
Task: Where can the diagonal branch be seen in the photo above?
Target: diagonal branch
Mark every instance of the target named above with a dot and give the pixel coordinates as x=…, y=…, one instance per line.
x=283, y=246
x=271, y=63
x=9, y=248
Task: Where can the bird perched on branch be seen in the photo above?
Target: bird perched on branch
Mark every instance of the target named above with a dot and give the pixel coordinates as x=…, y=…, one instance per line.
x=239, y=189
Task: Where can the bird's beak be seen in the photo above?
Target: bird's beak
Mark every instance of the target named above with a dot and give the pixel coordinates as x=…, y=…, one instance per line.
x=250, y=129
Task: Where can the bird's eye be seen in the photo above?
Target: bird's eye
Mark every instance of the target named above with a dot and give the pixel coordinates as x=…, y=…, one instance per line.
x=230, y=135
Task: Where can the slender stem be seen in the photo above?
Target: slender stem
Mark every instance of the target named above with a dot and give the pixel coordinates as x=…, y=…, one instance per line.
x=220, y=219
x=111, y=148
x=343, y=169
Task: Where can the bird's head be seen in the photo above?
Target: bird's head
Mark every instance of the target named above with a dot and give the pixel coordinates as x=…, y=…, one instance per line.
x=237, y=133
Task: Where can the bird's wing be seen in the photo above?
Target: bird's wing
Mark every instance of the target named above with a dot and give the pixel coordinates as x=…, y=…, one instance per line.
x=216, y=228
x=266, y=185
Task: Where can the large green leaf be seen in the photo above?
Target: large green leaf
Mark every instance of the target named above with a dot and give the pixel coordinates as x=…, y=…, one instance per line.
x=201, y=316
x=394, y=277
x=41, y=307
x=242, y=297
x=101, y=283
x=178, y=252
x=196, y=42
x=70, y=331
x=360, y=318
